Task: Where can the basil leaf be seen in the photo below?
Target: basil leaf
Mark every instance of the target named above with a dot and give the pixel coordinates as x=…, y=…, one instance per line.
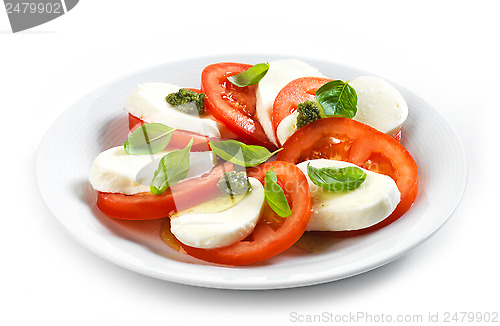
x=150, y=138
x=241, y=154
x=337, y=98
x=336, y=179
x=275, y=196
x=251, y=76
x=173, y=167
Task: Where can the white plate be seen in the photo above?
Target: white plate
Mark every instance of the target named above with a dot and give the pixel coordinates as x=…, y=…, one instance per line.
x=97, y=122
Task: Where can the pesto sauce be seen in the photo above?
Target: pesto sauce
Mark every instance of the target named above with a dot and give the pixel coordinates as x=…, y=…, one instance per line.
x=187, y=101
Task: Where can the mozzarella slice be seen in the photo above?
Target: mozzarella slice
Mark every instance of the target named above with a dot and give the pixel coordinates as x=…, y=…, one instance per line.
x=379, y=104
x=116, y=171
x=280, y=73
x=287, y=127
x=148, y=103
x=213, y=230
x=370, y=203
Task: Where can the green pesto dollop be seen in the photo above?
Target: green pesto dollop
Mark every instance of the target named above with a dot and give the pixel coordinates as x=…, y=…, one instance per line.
x=308, y=112
x=187, y=101
x=234, y=183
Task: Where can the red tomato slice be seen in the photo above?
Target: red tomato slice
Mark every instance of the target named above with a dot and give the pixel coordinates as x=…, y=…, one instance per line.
x=397, y=135
x=180, y=138
x=352, y=141
x=146, y=206
x=134, y=122
x=294, y=93
x=233, y=106
x=265, y=241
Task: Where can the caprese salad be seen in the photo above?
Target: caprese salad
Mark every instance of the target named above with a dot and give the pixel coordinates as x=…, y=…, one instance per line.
x=241, y=168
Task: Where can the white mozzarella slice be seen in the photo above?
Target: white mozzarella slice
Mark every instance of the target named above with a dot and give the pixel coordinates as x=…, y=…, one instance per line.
x=280, y=73
x=370, y=203
x=379, y=104
x=287, y=127
x=148, y=103
x=116, y=171
x=213, y=230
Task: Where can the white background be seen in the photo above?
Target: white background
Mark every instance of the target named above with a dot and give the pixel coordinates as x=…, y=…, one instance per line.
x=444, y=51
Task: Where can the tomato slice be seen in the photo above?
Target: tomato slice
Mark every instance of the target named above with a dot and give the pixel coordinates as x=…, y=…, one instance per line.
x=266, y=241
x=398, y=135
x=233, y=106
x=294, y=93
x=180, y=138
x=146, y=206
x=352, y=141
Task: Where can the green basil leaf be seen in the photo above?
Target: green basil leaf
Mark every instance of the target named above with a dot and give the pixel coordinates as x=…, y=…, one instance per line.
x=275, y=196
x=241, y=154
x=251, y=76
x=337, y=98
x=336, y=179
x=150, y=138
x=173, y=167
